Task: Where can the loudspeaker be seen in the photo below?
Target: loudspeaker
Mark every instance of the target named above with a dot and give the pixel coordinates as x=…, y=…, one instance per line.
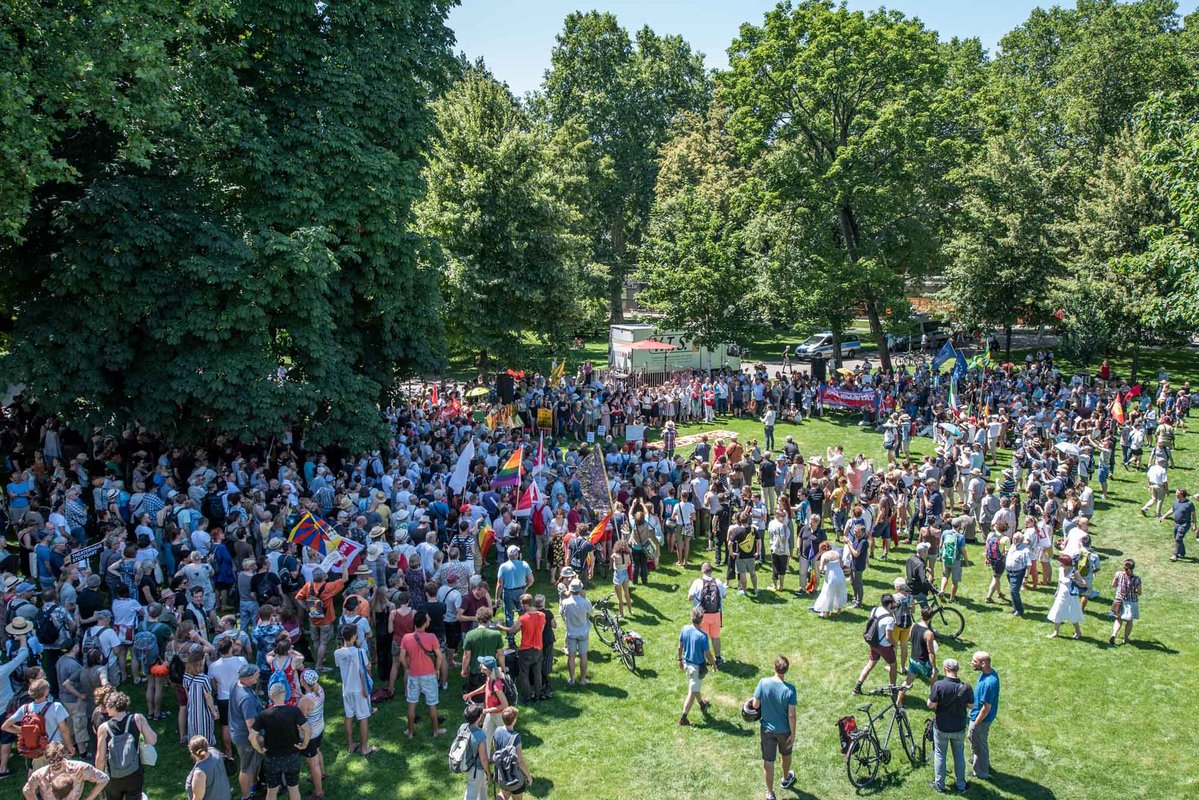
x=818, y=369
x=505, y=387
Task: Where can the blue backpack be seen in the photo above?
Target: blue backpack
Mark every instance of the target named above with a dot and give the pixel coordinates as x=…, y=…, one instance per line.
x=279, y=678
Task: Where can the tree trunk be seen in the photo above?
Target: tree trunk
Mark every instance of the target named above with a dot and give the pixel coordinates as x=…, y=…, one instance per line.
x=618, y=268
x=1136, y=358
x=484, y=361
x=836, y=347
x=880, y=338
x=1007, y=332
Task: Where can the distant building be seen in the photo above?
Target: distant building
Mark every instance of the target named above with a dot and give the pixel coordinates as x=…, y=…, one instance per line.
x=645, y=348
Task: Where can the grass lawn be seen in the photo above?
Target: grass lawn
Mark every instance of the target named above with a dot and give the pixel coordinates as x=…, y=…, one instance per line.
x=1077, y=719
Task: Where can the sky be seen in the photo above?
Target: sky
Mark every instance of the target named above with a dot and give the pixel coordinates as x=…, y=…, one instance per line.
x=515, y=37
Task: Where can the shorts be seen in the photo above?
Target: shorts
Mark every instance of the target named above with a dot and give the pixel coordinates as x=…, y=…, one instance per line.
x=922, y=668
x=886, y=653
x=778, y=565
x=577, y=645
x=281, y=771
x=321, y=635
x=711, y=625
x=687, y=531
x=998, y=568
x=314, y=746
x=952, y=571
x=900, y=635
x=222, y=708
x=775, y=744
x=395, y=649
x=422, y=684
x=7, y=738
x=356, y=706
x=746, y=565
x=695, y=684
x=249, y=759
x=620, y=576
x=453, y=637
x=180, y=696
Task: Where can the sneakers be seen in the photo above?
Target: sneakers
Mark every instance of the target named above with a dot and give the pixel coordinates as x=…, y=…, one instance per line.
x=789, y=781
x=703, y=705
x=857, y=688
x=684, y=722
x=936, y=787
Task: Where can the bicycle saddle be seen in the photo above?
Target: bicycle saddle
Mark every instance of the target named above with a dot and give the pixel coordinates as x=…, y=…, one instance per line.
x=865, y=709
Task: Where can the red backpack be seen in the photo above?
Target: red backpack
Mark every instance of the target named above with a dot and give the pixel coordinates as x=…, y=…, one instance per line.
x=539, y=520
x=32, y=740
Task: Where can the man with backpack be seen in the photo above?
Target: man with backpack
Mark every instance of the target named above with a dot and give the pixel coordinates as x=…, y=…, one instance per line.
x=707, y=593
x=118, y=748
x=953, y=558
x=744, y=544
x=316, y=599
x=994, y=553
x=879, y=625
x=54, y=626
x=468, y=753
x=38, y=722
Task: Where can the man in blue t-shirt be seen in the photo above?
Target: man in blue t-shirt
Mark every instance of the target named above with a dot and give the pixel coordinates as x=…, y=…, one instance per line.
x=244, y=708
x=511, y=581
x=694, y=653
x=982, y=714
x=775, y=698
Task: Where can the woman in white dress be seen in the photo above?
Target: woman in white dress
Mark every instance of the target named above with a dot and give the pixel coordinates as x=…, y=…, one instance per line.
x=1066, y=607
x=833, y=594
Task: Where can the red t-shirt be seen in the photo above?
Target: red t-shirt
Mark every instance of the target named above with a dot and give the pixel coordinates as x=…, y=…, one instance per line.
x=402, y=625
x=419, y=663
x=531, y=626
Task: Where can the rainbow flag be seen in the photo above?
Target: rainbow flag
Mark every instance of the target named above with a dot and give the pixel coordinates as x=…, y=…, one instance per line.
x=509, y=474
x=486, y=538
x=600, y=531
x=1118, y=410
x=310, y=532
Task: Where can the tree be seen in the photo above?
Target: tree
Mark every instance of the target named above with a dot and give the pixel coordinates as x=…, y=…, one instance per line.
x=257, y=266
x=692, y=258
x=496, y=207
x=1003, y=257
x=625, y=93
x=852, y=107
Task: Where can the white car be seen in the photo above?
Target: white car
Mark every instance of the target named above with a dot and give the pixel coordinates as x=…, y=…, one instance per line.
x=820, y=345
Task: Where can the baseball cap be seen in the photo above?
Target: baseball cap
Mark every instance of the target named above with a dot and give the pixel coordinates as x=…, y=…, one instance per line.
x=247, y=670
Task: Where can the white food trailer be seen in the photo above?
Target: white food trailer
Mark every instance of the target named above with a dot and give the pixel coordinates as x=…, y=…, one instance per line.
x=644, y=348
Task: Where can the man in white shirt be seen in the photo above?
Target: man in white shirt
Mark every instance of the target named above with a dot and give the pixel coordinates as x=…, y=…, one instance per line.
x=224, y=673
x=1016, y=563
x=576, y=613
x=1159, y=484
x=708, y=593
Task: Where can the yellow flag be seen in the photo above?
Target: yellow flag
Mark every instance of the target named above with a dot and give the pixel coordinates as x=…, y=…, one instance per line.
x=557, y=372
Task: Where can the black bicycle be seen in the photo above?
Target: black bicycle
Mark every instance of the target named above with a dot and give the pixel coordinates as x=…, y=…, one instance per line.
x=866, y=754
x=947, y=622
x=609, y=630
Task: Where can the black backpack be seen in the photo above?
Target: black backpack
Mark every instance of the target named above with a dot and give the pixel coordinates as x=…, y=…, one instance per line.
x=48, y=631
x=508, y=775
x=709, y=597
x=871, y=632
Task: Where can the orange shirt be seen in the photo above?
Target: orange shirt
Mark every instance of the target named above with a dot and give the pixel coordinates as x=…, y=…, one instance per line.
x=326, y=593
x=532, y=624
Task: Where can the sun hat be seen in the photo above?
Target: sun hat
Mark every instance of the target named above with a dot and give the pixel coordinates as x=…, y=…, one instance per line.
x=19, y=627
x=377, y=532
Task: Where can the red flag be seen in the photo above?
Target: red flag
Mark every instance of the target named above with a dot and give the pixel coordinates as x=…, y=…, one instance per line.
x=528, y=500
x=435, y=401
x=1118, y=409
x=600, y=531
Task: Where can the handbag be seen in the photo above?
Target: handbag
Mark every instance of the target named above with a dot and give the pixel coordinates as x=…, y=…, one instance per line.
x=149, y=754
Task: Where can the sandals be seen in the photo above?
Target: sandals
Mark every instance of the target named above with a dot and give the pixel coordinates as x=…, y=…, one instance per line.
x=369, y=751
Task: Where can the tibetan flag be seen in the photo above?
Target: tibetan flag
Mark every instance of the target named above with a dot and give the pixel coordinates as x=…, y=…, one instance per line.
x=600, y=532
x=509, y=474
x=528, y=500
x=310, y=532
x=1118, y=410
x=486, y=539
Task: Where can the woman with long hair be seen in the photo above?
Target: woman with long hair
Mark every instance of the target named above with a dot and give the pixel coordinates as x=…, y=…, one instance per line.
x=1066, y=607
x=201, y=703
x=284, y=660
x=622, y=559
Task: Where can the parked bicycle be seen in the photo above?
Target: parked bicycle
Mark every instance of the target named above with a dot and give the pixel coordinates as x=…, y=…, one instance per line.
x=947, y=622
x=864, y=753
x=627, y=644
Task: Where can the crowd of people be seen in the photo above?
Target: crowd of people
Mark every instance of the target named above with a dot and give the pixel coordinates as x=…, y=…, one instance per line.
x=143, y=566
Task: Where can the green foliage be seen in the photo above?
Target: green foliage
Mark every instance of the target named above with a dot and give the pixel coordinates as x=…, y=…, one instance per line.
x=235, y=248
x=625, y=93
x=850, y=119
x=498, y=210
x=693, y=259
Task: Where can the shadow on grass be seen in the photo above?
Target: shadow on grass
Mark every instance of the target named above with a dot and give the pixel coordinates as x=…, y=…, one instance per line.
x=541, y=787
x=769, y=598
x=739, y=669
x=724, y=726
x=1152, y=644
x=1011, y=785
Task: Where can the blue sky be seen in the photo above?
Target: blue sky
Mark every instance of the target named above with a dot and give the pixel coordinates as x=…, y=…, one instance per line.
x=515, y=36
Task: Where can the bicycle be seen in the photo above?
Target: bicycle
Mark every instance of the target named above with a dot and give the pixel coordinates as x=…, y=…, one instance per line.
x=609, y=630
x=946, y=622
x=865, y=754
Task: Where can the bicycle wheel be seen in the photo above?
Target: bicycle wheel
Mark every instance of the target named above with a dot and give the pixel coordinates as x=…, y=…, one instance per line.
x=862, y=761
x=926, y=740
x=948, y=622
x=909, y=741
x=626, y=654
x=603, y=628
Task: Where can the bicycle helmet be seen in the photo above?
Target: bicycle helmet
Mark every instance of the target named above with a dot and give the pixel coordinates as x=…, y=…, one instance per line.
x=749, y=713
